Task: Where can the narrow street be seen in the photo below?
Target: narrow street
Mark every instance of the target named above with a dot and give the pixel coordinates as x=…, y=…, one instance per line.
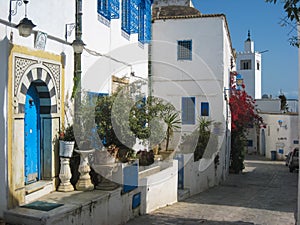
x=264, y=194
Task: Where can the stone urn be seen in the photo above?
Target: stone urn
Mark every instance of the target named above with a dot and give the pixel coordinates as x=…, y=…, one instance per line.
x=104, y=165
x=84, y=183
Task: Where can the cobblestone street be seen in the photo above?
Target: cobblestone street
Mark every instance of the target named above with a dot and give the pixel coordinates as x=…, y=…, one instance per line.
x=264, y=194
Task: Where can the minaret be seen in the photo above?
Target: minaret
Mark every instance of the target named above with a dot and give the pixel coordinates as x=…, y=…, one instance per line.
x=249, y=66
x=249, y=44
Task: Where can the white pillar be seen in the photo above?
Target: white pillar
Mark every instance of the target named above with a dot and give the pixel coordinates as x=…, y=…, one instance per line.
x=65, y=175
x=84, y=183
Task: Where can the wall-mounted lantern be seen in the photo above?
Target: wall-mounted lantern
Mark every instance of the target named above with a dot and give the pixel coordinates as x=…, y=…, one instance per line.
x=280, y=122
x=25, y=26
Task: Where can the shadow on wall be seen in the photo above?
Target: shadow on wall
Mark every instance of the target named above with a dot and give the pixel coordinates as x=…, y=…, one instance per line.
x=4, y=49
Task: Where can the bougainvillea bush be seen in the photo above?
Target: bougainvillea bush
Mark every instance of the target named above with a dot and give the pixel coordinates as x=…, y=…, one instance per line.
x=243, y=116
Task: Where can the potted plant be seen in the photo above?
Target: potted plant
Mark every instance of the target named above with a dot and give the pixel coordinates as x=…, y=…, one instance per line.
x=66, y=142
x=145, y=157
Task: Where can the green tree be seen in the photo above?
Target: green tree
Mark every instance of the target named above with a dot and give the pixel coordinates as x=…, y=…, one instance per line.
x=152, y=119
x=172, y=123
x=283, y=103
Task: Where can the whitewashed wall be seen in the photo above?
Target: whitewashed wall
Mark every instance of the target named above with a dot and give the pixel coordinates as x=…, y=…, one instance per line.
x=204, y=77
x=279, y=137
x=198, y=177
x=160, y=188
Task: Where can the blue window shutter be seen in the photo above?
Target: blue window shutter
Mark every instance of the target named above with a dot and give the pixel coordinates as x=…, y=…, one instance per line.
x=126, y=15
x=148, y=20
x=134, y=16
x=115, y=9
x=141, y=36
x=188, y=110
x=204, y=109
x=103, y=8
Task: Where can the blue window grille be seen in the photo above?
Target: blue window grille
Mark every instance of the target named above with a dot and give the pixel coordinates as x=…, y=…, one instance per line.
x=134, y=16
x=126, y=16
x=104, y=8
x=141, y=36
x=115, y=9
x=188, y=110
x=108, y=9
x=184, y=50
x=204, y=109
x=147, y=21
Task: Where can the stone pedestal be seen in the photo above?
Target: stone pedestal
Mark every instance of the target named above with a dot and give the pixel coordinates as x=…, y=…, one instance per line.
x=65, y=175
x=84, y=183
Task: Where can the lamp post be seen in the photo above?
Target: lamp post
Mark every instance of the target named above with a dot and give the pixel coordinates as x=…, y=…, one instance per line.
x=78, y=46
x=25, y=26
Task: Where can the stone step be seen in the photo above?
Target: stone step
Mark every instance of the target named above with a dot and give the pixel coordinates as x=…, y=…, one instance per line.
x=183, y=194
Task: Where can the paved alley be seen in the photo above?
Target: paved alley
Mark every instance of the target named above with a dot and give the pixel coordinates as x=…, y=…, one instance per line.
x=265, y=194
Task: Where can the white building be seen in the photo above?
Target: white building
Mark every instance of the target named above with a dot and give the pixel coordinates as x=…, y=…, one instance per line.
x=279, y=135
x=191, y=62
x=249, y=65
x=36, y=72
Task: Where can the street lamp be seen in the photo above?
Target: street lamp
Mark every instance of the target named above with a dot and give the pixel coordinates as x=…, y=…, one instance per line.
x=78, y=46
x=239, y=80
x=25, y=26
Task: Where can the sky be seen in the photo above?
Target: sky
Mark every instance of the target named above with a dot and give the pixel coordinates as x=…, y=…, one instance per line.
x=280, y=62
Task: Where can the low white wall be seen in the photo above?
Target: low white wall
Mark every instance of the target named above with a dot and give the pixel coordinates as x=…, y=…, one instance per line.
x=198, y=180
x=159, y=189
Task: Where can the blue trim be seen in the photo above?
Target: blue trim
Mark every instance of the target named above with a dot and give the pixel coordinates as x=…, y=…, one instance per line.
x=204, y=109
x=188, y=110
x=136, y=200
x=130, y=177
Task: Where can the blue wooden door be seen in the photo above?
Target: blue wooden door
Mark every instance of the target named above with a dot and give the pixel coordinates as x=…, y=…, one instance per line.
x=32, y=136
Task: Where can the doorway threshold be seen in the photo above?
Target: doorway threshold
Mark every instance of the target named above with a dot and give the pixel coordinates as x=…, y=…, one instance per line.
x=38, y=189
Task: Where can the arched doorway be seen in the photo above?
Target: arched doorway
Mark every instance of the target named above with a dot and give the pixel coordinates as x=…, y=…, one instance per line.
x=37, y=131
